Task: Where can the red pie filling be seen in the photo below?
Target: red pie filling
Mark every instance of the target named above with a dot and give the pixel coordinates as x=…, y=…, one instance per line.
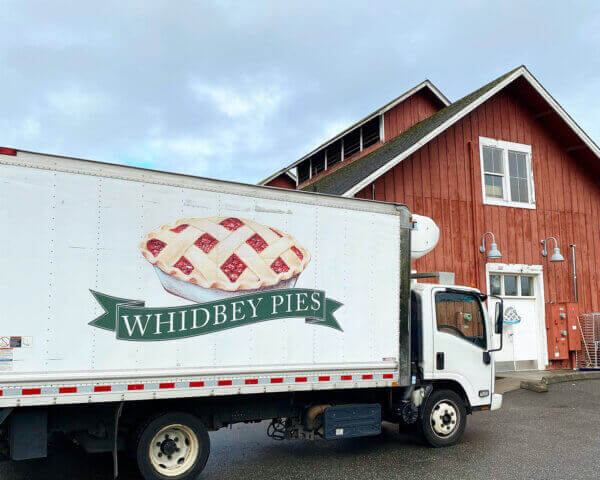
x=276, y=232
x=154, y=245
x=297, y=252
x=233, y=267
x=206, y=242
x=257, y=242
x=184, y=265
x=180, y=228
x=279, y=266
x=232, y=223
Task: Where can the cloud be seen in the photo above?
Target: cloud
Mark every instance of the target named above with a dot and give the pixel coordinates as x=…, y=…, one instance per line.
x=75, y=102
x=260, y=102
x=237, y=90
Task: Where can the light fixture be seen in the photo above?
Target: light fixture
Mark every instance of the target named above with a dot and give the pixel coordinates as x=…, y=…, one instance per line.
x=493, y=252
x=556, y=256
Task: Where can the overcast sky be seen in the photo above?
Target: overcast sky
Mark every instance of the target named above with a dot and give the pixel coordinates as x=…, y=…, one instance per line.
x=237, y=90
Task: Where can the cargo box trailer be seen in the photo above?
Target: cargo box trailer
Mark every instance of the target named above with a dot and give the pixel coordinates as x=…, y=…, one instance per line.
x=143, y=309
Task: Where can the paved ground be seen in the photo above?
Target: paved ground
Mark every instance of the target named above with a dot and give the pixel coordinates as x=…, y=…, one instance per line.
x=552, y=435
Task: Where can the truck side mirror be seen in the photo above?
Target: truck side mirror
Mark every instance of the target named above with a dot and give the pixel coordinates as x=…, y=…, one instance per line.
x=499, y=316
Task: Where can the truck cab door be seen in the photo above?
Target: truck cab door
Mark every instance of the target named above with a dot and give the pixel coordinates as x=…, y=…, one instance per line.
x=461, y=341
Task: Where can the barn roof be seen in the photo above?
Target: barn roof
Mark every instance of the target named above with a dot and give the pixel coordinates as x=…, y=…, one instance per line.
x=355, y=176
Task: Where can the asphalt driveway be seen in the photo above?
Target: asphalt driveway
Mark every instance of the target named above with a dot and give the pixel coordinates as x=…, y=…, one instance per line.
x=552, y=435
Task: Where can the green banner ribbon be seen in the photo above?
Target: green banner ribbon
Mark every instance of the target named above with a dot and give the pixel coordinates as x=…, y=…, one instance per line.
x=132, y=320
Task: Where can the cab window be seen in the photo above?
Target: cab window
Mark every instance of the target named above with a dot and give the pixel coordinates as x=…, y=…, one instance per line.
x=461, y=315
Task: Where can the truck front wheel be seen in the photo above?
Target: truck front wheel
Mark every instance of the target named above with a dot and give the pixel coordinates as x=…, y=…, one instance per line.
x=444, y=418
x=172, y=446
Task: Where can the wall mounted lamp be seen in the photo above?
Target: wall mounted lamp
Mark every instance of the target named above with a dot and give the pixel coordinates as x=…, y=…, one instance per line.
x=556, y=256
x=493, y=252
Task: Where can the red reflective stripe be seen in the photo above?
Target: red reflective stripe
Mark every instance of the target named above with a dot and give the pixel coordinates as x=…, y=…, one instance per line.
x=367, y=377
x=301, y=379
x=166, y=385
x=196, y=384
x=388, y=376
x=8, y=151
x=135, y=386
x=31, y=391
x=324, y=379
x=277, y=380
x=346, y=377
x=67, y=390
x=224, y=383
x=102, y=388
x=1, y=393
x=251, y=381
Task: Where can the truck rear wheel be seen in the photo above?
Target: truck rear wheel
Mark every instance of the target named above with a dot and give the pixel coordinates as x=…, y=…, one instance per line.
x=172, y=446
x=444, y=418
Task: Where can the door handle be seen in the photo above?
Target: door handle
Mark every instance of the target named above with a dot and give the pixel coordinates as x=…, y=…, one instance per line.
x=439, y=360
x=487, y=358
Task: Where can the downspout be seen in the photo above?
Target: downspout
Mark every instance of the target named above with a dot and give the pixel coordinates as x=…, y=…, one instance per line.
x=479, y=267
x=574, y=272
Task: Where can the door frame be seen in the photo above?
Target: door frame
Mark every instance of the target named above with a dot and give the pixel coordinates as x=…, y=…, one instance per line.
x=536, y=271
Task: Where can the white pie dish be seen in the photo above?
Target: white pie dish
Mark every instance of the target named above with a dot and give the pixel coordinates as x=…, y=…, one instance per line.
x=198, y=294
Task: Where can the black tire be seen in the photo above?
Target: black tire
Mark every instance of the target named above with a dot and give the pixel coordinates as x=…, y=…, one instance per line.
x=445, y=427
x=148, y=438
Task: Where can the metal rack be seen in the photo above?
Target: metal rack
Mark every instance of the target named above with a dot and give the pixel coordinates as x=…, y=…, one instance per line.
x=589, y=326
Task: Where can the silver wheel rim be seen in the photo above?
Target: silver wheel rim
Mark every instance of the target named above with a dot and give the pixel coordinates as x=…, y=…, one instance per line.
x=444, y=418
x=174, y=450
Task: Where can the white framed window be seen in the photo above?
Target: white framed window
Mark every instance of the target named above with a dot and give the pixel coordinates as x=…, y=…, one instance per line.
x=506, y=173
x=511, y=285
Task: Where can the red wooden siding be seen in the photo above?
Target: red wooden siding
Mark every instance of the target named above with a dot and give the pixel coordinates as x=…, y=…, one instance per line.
x=415, y=108
x=282, y=181
x=443, y=180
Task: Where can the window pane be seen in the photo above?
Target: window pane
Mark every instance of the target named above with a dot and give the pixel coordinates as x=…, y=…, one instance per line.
x=460, y=314
x=493, y=186
x=492, y=160
x=523, y=190
x=517, y=166
x=510, y=285
x=495, y=287
x=514, y=189
x=522, y=163
x=488, y=160
x=513, y=169
x=498, y=163
x=527, y=286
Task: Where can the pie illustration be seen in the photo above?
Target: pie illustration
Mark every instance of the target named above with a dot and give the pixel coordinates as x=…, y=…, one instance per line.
x=204, y=259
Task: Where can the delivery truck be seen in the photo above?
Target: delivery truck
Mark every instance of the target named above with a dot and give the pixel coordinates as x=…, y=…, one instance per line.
x=143, y=309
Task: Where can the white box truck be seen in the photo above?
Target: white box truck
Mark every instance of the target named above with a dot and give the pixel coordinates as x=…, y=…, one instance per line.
x=142, y=309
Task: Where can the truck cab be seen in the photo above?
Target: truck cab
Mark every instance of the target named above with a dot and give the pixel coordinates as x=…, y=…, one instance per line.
x=453, y=340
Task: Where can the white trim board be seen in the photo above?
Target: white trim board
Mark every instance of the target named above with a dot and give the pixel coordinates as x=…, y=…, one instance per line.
x=520, y=72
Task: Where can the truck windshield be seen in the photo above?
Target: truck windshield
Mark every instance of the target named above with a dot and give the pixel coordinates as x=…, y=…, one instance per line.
x=460, y=314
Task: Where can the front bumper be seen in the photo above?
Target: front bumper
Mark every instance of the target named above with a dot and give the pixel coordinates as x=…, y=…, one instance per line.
x=496, y=401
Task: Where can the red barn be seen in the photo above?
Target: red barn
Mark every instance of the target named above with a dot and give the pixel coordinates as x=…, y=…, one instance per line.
x=505, y=159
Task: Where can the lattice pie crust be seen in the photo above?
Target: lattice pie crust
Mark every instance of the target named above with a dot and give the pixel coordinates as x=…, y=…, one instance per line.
x=225, y=253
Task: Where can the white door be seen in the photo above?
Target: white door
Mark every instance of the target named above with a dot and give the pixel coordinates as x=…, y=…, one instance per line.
x=521, y=290
x=460, y=338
